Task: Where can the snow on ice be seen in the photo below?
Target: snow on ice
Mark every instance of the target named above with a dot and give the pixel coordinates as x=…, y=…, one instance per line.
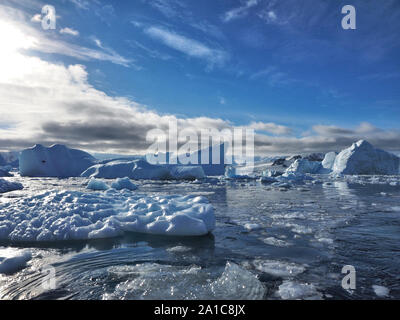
x=56, y=161
x=73, y=215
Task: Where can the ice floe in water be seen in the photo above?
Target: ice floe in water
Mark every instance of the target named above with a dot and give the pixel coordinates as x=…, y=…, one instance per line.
x=74, y=215
x=156, y=281
x=381, y=291
x=13, y=260
x=290, y=290
x=278, y=268
x=7, y=186
x=124, y=183
x=97, y=185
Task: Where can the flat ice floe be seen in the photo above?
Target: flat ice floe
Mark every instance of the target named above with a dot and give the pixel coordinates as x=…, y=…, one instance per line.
x=12, y=260
x=290, y=290
x=156, y=281
x=7, y=186
x=381, y=291
x=279, y=268
x=74, y=215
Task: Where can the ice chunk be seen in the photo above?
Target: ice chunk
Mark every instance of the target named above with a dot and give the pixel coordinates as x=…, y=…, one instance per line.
x=232, y=173
x=159, y=281
x=304, y=166
x=381, y=291
x=98, y=185
x=73, y=215
x=252, y=226
x=187, y=172
x=329, y=160
x=363, y=158
x=124, y=183
x=13, y=260
x=279, y=268
x=6, y=186
x=289, y=290
x=56, y=161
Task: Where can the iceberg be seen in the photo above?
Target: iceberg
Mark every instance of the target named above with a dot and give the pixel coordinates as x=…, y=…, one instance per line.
x=6, y=186
x=187, y=172
x=363, y=159
x=75, y=215
x=142, y=170
x=302, y=166
x=329, y=161
x=137, y=169
x=57, y=161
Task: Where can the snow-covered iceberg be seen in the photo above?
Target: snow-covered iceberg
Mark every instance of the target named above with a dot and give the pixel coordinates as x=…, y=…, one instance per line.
x=74, y=215
x=304, y=166
x=363, y=158
x=141, y=169
x=7, y=186
x=56, y=161
x=97, y=185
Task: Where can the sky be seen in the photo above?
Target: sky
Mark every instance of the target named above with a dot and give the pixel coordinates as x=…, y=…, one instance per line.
x=113, y=70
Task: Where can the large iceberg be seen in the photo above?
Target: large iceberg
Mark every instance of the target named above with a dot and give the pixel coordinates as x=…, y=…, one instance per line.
x=141, y=169
x=363, y=158
x=56, y=161
x=73, y=215
x=137, y=169
x=7, y=186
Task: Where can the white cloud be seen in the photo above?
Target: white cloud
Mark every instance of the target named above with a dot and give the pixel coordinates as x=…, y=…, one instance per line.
x=239, y=12
x=69, y=31
x=190, y=47
x=36, y=18
x=270, y=128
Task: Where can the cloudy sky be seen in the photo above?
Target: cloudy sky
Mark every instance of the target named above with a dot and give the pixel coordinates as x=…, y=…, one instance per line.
x=113, y=70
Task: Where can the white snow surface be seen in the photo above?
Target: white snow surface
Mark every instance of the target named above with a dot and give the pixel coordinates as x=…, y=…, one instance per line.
x=74, y=215
x=12, y=260
x=362, y=158
x=6, y=186
x=55, y=161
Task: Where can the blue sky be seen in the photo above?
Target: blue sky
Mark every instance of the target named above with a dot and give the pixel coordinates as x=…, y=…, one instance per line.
x=287, y=63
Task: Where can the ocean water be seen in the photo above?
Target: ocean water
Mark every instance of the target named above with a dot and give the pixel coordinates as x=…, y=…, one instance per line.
x=269, y=243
